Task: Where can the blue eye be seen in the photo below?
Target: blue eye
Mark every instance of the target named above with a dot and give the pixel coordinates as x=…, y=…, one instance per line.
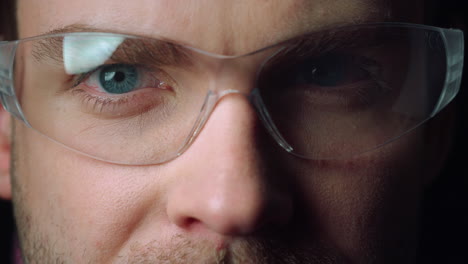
x=118, y=78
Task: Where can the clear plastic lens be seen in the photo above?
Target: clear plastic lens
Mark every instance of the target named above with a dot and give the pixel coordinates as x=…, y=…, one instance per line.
x=116, y=108
x=357, y=95
x=132, y=100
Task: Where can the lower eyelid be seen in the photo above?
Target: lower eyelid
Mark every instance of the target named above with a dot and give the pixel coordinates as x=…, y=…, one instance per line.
x=126, y=106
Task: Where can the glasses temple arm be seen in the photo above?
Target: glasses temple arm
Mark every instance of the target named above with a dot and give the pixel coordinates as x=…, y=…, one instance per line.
x=7, y=91
x=454, y=43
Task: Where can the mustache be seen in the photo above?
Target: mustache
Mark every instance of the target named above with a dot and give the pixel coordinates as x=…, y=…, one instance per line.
x=237, y=251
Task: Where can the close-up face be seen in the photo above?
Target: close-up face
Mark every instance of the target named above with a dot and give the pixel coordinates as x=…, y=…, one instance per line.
x=244, y=186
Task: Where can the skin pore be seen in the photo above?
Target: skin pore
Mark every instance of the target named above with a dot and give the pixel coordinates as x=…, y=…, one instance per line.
x=230, y=198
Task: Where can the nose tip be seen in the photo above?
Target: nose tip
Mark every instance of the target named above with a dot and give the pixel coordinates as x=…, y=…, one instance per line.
x=228, y=211
x=224, y=185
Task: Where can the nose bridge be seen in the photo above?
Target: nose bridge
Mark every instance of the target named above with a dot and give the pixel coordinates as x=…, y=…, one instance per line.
x=241, y=70
x=227, y=191
x=236, y=76
x=239, y=77
x=238, y=73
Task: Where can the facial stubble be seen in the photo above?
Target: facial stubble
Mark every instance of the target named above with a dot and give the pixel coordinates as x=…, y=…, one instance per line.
x=39, y=246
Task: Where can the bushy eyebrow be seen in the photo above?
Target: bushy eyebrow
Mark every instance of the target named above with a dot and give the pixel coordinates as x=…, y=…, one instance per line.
x=133, y=50
x=153, y=52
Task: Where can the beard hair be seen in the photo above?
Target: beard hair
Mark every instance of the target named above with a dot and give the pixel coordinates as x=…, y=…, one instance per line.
x=38, y=247
x=252, y=250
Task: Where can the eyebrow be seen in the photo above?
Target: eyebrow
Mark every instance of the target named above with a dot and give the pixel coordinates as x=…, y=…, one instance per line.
x=331, y=39
x=133, y=50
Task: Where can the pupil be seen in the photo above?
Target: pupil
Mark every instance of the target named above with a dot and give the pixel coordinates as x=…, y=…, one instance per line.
x=119, y=76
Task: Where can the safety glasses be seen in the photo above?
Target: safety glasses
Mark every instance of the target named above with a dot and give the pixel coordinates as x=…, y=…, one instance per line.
x=132, y=100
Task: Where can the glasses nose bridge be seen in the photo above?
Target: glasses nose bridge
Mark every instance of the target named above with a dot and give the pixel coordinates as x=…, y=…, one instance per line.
x=240, y=72
x=252, y=94
x=233, y=76
x=236, y=76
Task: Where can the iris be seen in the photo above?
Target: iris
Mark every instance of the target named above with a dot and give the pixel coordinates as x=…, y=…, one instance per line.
x=119, y=78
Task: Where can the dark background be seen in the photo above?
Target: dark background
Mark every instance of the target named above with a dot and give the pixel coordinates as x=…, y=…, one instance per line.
x=444, y=236
x=6, y=218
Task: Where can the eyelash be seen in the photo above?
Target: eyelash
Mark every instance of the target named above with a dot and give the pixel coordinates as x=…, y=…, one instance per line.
x=98, y=102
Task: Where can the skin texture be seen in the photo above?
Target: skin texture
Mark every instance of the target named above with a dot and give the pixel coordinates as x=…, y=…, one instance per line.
x=230, y=198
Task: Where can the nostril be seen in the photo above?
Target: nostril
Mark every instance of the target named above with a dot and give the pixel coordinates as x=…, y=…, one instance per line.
x=188, y=222
x=191, y=224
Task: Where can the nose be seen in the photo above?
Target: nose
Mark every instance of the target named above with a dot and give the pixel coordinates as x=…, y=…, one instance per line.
x=224, y=184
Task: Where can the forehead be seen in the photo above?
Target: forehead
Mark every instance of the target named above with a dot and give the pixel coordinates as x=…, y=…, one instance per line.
x=224, y=27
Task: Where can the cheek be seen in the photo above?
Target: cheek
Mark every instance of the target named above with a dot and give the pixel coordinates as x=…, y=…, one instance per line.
x=365, y=203
x=79, y=202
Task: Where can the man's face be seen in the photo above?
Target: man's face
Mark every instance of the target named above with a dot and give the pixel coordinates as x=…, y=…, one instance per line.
x=227, y=199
